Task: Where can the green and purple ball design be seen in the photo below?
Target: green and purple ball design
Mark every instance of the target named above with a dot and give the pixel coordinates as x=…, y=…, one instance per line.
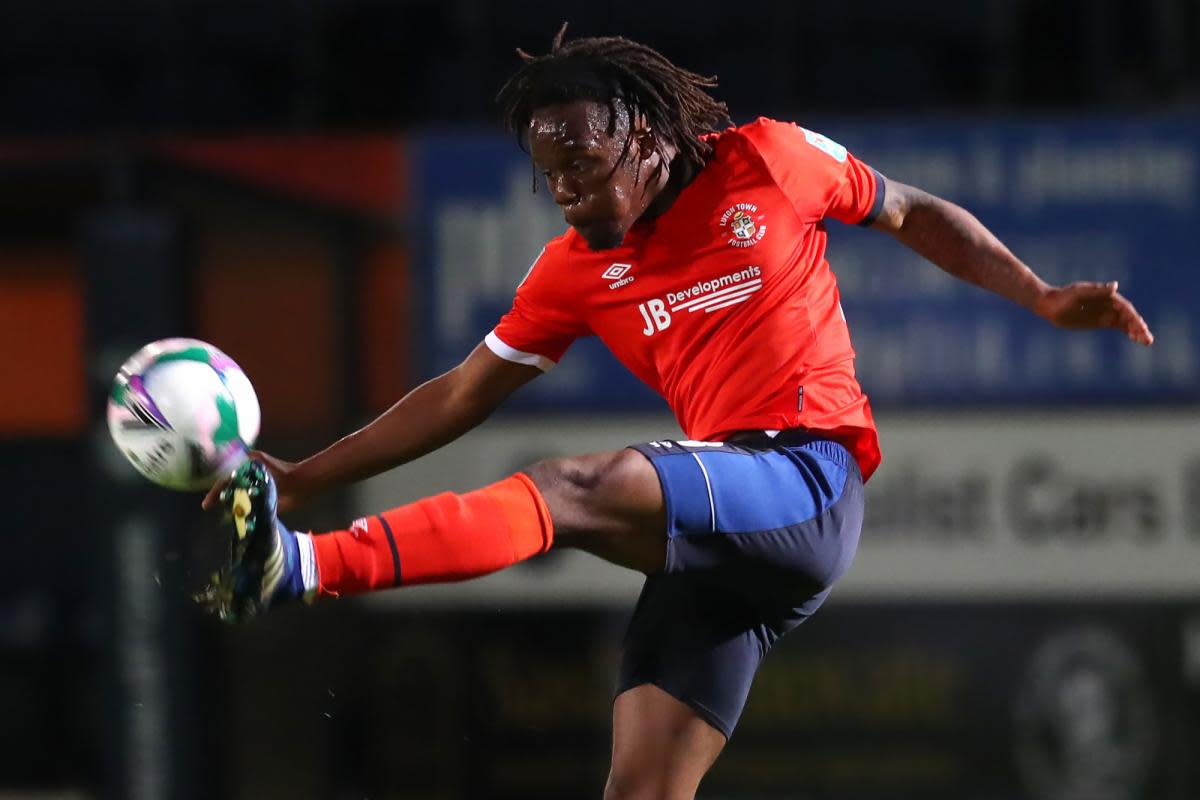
x=183, y=413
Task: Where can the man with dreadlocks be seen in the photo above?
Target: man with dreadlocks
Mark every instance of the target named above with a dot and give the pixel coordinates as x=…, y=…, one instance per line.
x=696, y=252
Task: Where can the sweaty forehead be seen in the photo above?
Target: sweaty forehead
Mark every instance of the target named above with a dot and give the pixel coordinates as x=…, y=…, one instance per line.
x=577, y=124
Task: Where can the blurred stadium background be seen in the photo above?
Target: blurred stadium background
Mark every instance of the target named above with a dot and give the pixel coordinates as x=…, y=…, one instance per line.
x=321, y=190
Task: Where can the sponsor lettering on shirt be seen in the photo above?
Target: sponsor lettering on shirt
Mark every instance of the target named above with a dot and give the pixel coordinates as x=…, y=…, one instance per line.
x=706, y=296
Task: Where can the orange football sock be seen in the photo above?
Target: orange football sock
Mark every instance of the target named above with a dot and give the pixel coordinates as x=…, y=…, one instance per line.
x=448, y=537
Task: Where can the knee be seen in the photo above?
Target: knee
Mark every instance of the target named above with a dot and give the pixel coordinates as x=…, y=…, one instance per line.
x=573, y=474
x=589, y=482
x=608, y=503
x=571, y=488
x=563, y=481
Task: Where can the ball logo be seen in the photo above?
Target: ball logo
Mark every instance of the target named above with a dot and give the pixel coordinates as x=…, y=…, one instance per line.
x=155, y=459
x=746, y=225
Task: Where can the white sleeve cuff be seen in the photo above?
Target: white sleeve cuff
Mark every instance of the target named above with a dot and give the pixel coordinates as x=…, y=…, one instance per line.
x=516, y=356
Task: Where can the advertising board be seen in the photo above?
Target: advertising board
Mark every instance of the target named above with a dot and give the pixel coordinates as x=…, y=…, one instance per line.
x=1100, y=199
x=1012, y=506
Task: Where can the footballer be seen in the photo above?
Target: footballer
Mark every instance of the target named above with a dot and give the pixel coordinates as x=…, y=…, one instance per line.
x=696, y=252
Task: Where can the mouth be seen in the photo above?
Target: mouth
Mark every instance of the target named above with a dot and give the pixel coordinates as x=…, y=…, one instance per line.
x=600, y=236
x=577, y=219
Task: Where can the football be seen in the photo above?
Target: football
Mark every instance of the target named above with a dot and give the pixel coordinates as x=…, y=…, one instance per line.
x=183, y=413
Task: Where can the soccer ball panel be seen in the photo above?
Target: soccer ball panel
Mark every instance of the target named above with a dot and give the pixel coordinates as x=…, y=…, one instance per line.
x=158, y=454
x=193, y=400
x=246, y=403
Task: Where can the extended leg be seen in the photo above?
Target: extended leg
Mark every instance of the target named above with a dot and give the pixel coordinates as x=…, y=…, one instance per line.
x=609, y=504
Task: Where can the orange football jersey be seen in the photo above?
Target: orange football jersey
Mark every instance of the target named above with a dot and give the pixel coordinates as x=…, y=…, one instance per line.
x=725, y=304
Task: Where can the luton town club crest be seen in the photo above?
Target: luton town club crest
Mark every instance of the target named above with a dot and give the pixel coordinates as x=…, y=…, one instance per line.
x=745, y=224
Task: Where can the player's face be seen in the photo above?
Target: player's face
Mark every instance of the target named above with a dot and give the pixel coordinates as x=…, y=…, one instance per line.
x=601, y=193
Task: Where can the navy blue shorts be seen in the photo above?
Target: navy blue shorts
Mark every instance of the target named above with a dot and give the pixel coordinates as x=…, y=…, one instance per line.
x=758, y=530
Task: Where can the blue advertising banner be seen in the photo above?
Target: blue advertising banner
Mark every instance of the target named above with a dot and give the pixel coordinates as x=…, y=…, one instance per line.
x=1101, y=199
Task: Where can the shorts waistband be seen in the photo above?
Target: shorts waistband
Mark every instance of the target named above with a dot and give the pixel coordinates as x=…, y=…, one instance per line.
x=796, y=437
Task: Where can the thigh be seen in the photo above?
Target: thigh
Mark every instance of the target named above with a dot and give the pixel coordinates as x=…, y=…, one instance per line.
x=701, y=637
x=661, y=747
x=700, y=641
x=783, y=518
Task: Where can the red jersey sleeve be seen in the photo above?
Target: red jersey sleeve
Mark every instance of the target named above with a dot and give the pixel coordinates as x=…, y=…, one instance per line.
x=540, y=326
x=817, y=174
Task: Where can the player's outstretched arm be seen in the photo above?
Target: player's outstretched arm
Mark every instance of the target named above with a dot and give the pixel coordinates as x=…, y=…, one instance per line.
x=430, y=416
x=956, y=241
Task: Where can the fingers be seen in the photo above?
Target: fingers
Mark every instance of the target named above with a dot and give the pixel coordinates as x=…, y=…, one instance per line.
x=1131, y=322
x=214, y=494
x=273, y=464
x=1094, y=291
x=1120, y=313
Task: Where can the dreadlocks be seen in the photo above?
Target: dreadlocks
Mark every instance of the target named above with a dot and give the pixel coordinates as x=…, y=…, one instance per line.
x=613, y=70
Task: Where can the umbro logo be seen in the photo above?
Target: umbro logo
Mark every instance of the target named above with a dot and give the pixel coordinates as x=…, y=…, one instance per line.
x=616, y=274
x=616, y=271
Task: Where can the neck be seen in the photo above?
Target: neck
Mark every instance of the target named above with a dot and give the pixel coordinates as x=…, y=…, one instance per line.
x=677, y=175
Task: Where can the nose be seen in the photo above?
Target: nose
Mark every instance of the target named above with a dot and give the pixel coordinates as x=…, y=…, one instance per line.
x=563, y=192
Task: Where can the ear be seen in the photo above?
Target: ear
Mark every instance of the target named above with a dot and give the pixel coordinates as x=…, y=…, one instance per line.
x=646, y=141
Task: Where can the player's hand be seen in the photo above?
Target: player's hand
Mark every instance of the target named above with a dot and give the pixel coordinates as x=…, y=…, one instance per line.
x=1094, y=305
x=290, y=492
